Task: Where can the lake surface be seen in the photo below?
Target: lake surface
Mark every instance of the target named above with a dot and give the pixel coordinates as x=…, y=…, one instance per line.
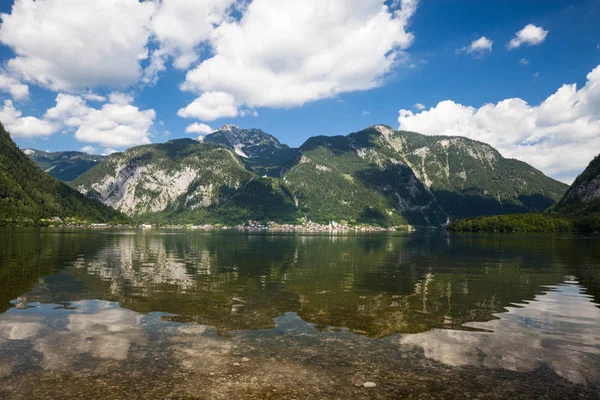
x=222, y=315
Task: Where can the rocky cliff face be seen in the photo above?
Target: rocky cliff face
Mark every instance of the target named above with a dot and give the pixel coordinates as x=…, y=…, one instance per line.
x=585, y=190
x=377, y=175
x=151, y=178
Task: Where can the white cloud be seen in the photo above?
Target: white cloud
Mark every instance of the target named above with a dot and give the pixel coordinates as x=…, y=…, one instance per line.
x=181, y=25
x=157, y=64
x=120, y=98
x=310, y=51
x=115, y=124
x=478, y=47
x=210, y=106
x=91, y=96
x=199, y=128
x=559, y=136
x=108, y=151
x=246, y=111
x=271, y=53
x=524, y=61
x=74, y=44
x=419, y=106
x=24, y=127
x=365, y=113
x=530, y=35
x=12, y=85
x=88, y=149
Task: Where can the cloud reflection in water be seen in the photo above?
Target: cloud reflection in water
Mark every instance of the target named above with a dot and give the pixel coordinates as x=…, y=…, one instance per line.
x=560, y=328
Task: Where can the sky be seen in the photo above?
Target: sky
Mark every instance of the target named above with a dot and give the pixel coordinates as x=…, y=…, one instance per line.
x=105, y=75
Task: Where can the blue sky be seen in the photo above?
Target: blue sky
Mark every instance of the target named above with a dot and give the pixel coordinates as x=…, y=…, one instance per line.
x=238, y=62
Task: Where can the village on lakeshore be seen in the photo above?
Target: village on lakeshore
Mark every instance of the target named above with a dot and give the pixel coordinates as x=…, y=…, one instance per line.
x=305, y=226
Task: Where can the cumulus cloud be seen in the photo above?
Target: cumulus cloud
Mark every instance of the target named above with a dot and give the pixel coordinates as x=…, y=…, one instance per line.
x=419, y=106
x=245, y=111
x=91, y=96
x=524, y=61
x=88, y=149
x=181, y=25
x=559, y=136
x=202, y=129
x=210, y=106
x=264, y=53
x=24, y=127
x=311, y=51
x=12, y=85
x=120, y=98
x=530, y=35
x=74, y=44
x=478, y=47
x=115, y=124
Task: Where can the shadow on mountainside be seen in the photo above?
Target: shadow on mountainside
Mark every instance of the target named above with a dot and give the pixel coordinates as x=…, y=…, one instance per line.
x=399, y=186
x=471, y=202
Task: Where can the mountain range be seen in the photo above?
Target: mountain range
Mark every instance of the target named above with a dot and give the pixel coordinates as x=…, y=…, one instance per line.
x=375, y=176
x=64, y=165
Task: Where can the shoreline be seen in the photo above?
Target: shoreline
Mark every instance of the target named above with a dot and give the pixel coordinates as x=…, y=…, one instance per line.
x=309, y=227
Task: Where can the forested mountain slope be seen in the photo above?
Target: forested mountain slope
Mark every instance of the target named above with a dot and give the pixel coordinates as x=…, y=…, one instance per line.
x=577, y=212
x=28, y=194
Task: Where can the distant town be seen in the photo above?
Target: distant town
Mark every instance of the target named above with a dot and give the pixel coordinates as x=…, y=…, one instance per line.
x=308, y=226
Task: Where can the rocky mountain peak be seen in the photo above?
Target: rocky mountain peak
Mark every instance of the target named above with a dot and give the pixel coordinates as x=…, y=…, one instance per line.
x=229, y=127
x=385, y=130
x=247, y=143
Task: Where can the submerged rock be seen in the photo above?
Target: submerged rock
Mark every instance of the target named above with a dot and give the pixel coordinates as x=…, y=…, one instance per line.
x=358, y=380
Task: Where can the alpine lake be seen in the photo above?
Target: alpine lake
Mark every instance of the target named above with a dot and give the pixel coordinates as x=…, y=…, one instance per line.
x=167, y=314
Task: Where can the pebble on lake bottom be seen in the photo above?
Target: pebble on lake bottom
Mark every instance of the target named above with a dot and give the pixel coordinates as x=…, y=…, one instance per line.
x=369, y=384
x=358, y=380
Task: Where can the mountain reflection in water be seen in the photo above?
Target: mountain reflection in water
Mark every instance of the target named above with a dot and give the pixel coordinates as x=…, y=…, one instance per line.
x=169, y=313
